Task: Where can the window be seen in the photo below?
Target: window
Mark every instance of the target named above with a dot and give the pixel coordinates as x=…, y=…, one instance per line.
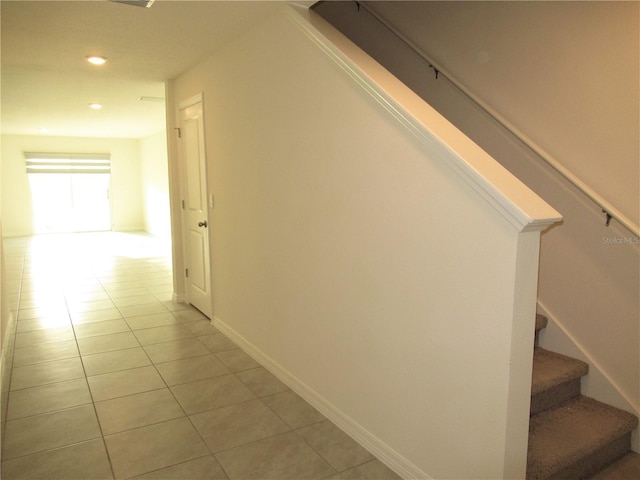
x=69, y=192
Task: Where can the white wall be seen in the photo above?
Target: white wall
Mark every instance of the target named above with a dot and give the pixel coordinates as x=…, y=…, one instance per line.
x=359, y=265
x=126, y=195
x=535, y=62
x=566, y=73
x=154, y=176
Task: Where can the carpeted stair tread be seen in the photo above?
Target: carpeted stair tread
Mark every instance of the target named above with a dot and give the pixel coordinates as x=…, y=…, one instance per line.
x=626, y=468
x=563, y=440
x=551, y=369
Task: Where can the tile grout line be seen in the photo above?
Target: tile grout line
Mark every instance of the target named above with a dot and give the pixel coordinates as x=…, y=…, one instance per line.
x=236, y=373
x=86, y=379
x=168, y=388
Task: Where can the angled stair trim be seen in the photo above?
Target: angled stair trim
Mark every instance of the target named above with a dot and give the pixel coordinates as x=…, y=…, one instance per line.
x=525, y=210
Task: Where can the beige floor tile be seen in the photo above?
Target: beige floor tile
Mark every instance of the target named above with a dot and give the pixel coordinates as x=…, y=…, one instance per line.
x=139, y=410
x=168, y=351
x=44, y=353
x=261, y=382
x=373, y=470
x=204, y=468
x=156, y=280
x=51, y=430
x=90, y=306
x=114, y=277
x=157, y=446
x=75, y=284
x=201, y=327
x=125, y=382
x=237, y=360
x=119, y=285
x=81, y=297
x=126, y=292
x=144, y=309
x=44, y=323
x=37, y=337
x=42, y=312
x=95, y=316
x=191, y=369
x=247, y=417
x=229, y=427
x=46, y=373
x=157, y=289
x=83, y=461
x=293, y=409
x=107, y=343
x=284, y=456
x=203, y=395
x=48, y=398
x=101, y=328
x=217, y=342
x=166, y=333
x=43, y=301
x=151, y=321
x=114, y=361
x=167, y=301
x=189, y=315
x=46, y=297
x=76, y=290
x=335, y=446
x=135, y=300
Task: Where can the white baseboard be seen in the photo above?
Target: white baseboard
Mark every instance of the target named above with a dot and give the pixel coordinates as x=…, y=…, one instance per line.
x=377, y=447
x=598, y=383
x=7, y=336
x=179, y=298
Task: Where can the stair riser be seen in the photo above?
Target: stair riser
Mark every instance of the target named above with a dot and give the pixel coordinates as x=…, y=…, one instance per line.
x=570, y=436
x=596, y=461
x=555, y=396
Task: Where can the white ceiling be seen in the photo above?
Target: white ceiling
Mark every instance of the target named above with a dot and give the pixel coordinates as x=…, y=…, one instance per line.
x=47, y=83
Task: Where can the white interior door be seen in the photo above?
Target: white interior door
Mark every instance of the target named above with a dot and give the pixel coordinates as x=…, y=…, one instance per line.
x=195, y=208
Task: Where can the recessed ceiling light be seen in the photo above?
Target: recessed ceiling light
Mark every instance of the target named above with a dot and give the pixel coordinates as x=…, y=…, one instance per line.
x=96, y=60
x=43, y=130
x=95, y=106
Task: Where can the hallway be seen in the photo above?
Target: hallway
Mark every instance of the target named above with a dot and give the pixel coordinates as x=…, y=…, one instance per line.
x=111, y=379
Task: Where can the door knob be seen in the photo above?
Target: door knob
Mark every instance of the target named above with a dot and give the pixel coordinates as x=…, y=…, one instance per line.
x=202, y=224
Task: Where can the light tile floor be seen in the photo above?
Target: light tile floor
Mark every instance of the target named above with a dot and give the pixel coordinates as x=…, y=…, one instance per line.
x=111, y=379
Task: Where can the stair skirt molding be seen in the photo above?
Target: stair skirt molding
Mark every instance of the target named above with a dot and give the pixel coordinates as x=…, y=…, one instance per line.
x=597, y=383
x=374, y=445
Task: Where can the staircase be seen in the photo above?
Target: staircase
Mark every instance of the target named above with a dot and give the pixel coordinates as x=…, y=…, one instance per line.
x=570, y=436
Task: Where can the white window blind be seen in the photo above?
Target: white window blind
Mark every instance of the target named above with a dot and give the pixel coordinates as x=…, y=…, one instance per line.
x=38, y=162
